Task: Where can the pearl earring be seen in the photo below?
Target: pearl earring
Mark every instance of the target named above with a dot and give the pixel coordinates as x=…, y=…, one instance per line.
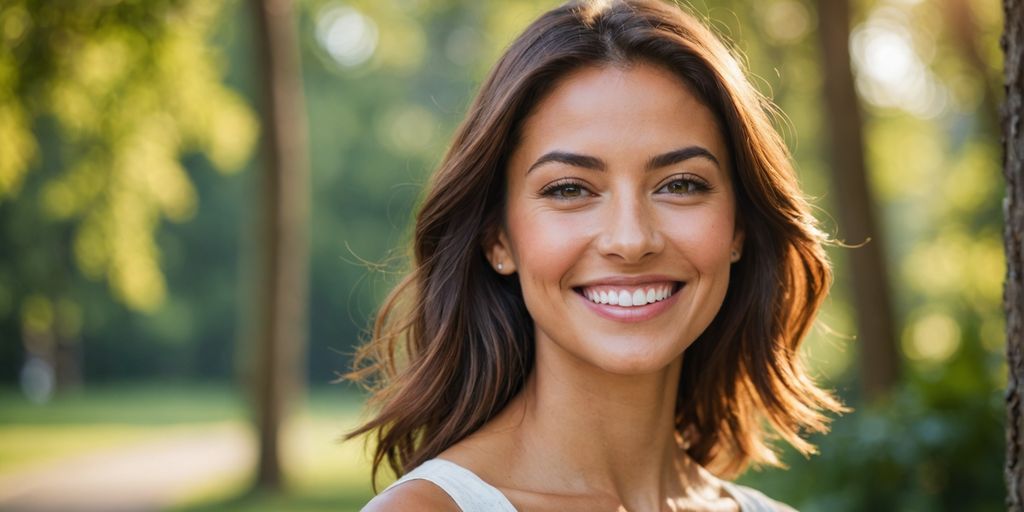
x=501, y=266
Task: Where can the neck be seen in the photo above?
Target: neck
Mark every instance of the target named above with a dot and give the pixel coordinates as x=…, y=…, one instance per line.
x=585, y=431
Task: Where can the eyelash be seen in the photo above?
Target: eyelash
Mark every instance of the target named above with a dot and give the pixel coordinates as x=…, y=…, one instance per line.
x=558, y=188
x=698, y=184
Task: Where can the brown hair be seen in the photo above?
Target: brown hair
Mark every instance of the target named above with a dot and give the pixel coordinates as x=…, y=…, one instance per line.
x=453, y=343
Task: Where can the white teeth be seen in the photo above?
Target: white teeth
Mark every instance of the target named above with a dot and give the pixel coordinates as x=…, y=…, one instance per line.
x=629, y=298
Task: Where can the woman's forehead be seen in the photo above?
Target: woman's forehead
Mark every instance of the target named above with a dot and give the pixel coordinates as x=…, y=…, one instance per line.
x=642, y=109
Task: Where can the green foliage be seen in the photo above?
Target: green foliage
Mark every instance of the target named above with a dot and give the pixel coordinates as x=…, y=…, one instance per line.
x=934, y=446
x=130, y=86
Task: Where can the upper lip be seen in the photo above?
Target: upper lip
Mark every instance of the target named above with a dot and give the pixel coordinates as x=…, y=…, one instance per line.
x=628, y=280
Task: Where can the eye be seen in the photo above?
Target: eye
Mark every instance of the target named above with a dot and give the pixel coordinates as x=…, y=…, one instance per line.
x=565, y=189
x=685, y=184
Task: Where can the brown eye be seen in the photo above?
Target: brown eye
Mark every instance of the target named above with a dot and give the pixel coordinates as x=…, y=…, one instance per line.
x=565, y=190
x=685, y=186
x=570, y=191
x=679, y=187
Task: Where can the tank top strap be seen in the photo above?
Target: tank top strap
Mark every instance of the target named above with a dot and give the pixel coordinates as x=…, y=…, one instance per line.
x=468, y=491
x=472, y=494
x=750, y=500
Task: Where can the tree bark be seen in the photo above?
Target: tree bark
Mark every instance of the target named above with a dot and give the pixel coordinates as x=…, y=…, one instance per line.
x=1013, y=293
x=879, y=360
x=282, y=268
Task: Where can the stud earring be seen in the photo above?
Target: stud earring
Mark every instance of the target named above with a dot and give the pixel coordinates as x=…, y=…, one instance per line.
x=501, y=266
x=735, y=255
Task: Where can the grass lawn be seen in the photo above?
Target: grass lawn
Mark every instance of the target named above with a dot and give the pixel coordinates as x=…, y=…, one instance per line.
x=104, y=417
x=322, y=473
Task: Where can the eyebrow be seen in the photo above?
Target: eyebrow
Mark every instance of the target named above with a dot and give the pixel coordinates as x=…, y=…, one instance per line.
x=656, y=162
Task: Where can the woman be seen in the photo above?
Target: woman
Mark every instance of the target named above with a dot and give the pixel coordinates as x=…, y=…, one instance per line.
x=613, y=271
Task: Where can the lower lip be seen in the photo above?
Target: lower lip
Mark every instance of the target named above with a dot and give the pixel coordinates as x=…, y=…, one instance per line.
x=632, y=314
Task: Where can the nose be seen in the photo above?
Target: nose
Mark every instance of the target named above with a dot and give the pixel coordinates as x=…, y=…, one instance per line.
x=630, y=232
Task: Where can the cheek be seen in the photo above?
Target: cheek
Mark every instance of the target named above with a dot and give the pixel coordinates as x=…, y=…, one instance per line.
x=546, y=245
x=704, y=236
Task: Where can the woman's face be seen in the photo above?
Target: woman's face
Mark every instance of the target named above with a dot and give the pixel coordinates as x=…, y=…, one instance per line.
x=620, y=218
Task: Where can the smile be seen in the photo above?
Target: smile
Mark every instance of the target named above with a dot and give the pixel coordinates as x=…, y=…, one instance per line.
x=630, y=302
x=629, y=296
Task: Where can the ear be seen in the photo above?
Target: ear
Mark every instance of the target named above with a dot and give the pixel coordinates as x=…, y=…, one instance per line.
x=736, y=249
x=499, y=251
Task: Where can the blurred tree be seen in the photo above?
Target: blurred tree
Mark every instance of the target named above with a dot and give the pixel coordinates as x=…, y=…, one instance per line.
x=962, y=24
x=933, y=168
x=279, y=324
x=876, y=331
x=1013, y=154
x=100, y=100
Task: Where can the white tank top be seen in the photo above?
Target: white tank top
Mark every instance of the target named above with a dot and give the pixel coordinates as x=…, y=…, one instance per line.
x=472, y=494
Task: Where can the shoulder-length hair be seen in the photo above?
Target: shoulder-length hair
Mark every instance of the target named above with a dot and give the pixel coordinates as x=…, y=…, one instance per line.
x=453, y=343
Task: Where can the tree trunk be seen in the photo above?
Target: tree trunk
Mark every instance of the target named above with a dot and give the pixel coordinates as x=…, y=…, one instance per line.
x=282, y=268
x=879, y=360
x=1013, y=294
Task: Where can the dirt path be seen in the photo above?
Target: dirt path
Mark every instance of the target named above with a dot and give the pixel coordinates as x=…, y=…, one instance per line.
x=146, y=476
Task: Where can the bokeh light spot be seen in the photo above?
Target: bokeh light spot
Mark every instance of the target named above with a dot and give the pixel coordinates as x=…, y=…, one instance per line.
x=349, y=36
x=14, y=23
x=933, y=338
x=890, y=71
x=410, y=129
x=37, y=314
x=786, y=21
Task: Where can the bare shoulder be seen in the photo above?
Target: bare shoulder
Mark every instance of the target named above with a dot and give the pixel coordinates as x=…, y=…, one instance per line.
x=414, y=495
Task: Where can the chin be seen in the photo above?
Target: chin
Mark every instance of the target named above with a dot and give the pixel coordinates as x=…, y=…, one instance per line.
x=634, y=357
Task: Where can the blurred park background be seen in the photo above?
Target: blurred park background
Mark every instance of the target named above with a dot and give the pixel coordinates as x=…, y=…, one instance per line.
x=131, y=217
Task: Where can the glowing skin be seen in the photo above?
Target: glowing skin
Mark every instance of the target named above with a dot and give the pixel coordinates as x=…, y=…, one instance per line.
x=618, y=191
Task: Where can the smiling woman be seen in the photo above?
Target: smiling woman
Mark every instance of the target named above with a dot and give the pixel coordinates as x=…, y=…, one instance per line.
x=614, y=269
x=613, y=205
